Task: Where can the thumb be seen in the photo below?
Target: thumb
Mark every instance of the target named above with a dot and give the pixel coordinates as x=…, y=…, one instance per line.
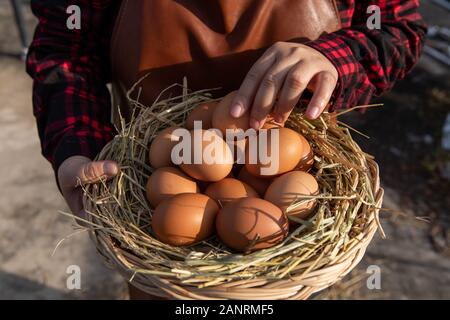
x=78, y=170
x=94, y=171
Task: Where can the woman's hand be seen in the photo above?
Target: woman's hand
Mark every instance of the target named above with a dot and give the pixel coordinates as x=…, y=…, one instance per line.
x=76, y=171
x=277, y=80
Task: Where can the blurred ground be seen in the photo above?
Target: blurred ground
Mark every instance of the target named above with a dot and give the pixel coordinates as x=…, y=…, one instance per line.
x=405, y=138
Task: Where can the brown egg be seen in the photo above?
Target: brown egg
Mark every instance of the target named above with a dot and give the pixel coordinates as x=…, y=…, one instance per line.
x=307, y=160
x=185, y=219
x=238, y=149
x=203, y=113
x=260, y=185
x=166, y=182
x=250, y=224
x=203, y=185
x=213, y=166
x=161, y=148
x=222, y=119
x=286, y=189
x=229, y=189
x=286, y=155
x=237, y=167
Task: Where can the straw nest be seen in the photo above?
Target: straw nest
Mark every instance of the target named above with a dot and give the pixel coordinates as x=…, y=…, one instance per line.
x=317, y=253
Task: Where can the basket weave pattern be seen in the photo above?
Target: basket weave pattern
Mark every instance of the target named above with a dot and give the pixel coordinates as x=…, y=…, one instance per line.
x=342, y=229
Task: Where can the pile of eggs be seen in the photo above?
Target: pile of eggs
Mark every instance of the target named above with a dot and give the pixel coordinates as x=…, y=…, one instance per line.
x=247, y=210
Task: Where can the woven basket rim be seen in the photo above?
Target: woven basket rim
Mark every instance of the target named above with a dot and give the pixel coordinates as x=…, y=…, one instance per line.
x=296, y=286
x=316, y=281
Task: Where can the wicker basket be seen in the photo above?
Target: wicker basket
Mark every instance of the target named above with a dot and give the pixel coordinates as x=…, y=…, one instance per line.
x=169, y=273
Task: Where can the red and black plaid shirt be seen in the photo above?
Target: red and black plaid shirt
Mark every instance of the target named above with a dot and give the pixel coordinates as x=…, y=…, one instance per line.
x=70, y=68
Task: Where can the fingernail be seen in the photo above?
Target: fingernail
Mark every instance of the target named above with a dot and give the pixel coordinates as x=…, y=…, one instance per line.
x=236, y=110
x=110, y=168
x=314, y=113
x=255, y=124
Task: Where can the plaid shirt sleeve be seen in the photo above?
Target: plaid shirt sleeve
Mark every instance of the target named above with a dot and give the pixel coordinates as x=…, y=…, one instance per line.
x=369, y=62
x=70, y=68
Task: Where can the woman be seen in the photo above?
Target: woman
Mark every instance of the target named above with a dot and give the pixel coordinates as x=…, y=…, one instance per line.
x=271, y=51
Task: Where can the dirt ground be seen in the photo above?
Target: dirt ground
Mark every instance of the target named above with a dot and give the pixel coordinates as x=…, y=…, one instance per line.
x=405, y=138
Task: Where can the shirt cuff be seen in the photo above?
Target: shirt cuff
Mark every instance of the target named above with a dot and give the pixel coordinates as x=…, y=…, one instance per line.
x=77, y=144
x=72, y=146
x=341, y=56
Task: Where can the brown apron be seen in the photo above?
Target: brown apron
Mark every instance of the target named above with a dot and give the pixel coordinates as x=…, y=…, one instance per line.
x=213, y=43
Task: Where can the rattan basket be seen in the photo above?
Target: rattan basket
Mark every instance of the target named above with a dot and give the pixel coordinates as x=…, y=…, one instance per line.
x=318, y=252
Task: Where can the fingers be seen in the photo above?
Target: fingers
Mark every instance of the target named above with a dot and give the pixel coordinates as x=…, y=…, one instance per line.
x=326, y=83
x=74, y=200
x=79, y=170
x=268, y=91
x=94, y=171
x=82, y=218
x=295, y=83
x=246, y=93
x=277, y=80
